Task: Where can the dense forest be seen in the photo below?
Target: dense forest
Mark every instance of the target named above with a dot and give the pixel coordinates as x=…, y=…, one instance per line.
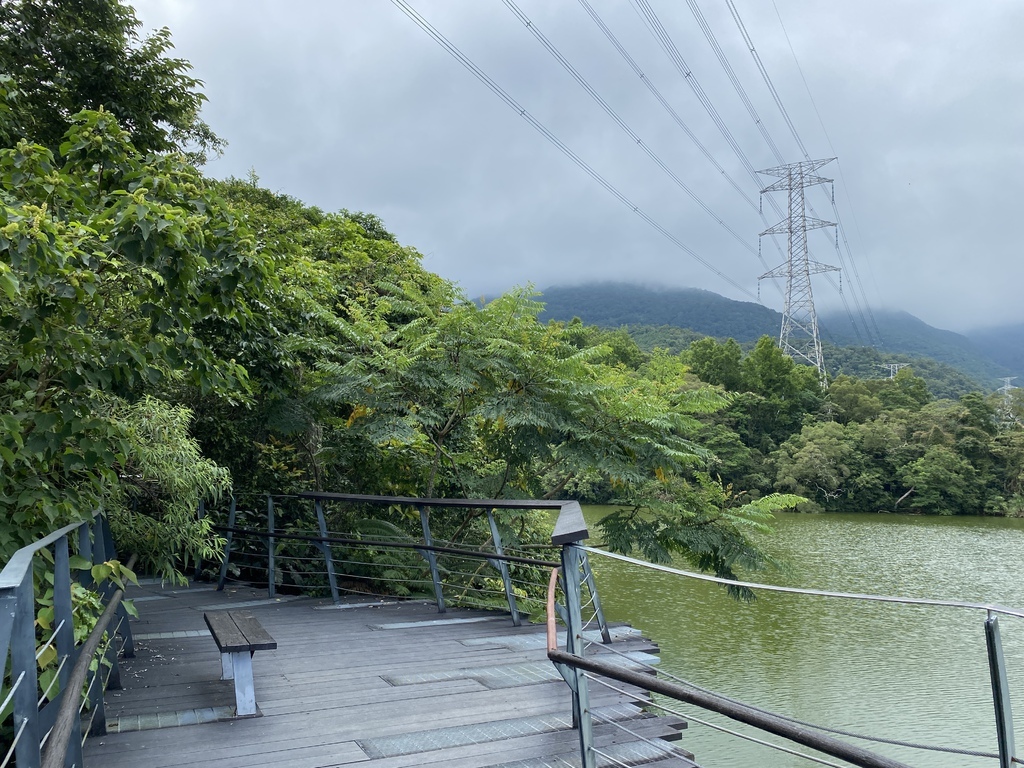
x=168, y=337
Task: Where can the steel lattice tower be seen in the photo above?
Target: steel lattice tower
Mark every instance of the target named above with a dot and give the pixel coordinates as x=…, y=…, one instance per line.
x=1005, y=414
x=799, y=337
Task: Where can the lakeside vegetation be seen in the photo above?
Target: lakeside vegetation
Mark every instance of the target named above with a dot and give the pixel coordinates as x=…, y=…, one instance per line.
x=168, y=337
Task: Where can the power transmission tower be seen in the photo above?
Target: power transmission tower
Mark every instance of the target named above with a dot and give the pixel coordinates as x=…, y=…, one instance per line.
x=1006, y=417
x=893, y=368
x=799, y=336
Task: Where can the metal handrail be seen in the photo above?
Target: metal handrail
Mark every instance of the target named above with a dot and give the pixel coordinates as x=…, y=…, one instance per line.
x=575, y=552
x=63, y=727
x=706, y=700
x=18, y=639
x=322, y=540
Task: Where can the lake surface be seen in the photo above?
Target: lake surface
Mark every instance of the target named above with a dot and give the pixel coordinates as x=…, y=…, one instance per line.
x=910, y=673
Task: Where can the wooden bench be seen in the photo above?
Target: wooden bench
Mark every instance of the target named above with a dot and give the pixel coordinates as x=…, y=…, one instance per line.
x=238, y=636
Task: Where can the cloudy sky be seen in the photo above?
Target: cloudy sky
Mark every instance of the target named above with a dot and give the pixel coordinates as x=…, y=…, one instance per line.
x=349, y=104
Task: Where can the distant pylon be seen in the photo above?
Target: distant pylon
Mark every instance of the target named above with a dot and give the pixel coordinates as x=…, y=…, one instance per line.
x=1006, y=417
x=893, y=368
x=799, y=336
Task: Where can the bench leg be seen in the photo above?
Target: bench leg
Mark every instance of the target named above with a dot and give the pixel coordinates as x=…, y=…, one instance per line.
x=226, y=673
x=245, y=691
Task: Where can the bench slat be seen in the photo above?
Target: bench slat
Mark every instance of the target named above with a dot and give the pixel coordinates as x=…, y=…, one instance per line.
x=226, y=634
x=257, y=637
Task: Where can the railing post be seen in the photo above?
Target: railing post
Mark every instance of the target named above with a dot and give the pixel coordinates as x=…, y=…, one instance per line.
x=326, y=549
x=570, y=529
x=1000, y=692
x=227, y=546
x=571, y=562
x=85, y=551
x=23, y=665
x=99, y=542
x=63, y=618
x=271, y=576
x=502, y=567
x=431, y=558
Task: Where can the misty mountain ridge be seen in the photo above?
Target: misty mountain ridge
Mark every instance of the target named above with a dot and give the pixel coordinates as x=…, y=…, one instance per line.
x=984, y=356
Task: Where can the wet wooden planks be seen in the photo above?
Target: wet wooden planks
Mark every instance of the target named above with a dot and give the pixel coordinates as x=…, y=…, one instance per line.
x=389, y=685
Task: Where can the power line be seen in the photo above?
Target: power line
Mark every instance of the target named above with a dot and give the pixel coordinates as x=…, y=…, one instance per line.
x=709, y=35
x=664, y=40
x=661, y=35
x=767, y=80
x=663, y=101
x=498, y=91
x=568, y=67
x=858, y=283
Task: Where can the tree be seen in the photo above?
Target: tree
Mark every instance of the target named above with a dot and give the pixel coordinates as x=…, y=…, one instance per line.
x=717, y=363
x=943, y=482
x=819, y=462
x=87, y=54
x=114, y=263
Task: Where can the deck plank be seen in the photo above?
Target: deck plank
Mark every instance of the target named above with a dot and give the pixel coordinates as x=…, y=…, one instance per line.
x=379, y=685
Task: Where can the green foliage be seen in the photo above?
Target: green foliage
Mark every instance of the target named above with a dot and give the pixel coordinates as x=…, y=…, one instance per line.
x=116, y=267
x=154, y=515
x=700, y=521
x=87, y=54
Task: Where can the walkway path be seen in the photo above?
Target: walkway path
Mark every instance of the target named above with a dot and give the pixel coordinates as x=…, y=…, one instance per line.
x=388, y=685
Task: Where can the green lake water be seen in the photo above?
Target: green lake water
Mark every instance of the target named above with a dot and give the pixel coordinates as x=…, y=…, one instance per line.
x=911, y=673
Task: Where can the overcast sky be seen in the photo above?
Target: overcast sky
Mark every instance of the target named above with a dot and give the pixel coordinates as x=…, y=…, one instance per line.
x=349, y=104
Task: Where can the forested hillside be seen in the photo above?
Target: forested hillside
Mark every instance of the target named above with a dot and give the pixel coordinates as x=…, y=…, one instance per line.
x=611, y=305
x=936, y=354
x=902, y=333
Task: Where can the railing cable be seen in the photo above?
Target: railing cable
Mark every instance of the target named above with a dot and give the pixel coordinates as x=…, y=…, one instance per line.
x=815, y=592
x=716, y=727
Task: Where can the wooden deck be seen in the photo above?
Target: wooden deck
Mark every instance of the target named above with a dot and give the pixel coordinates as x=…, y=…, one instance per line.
x=385, y=685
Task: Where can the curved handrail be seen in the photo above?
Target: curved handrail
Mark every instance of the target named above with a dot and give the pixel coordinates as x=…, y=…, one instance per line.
x=60, y=735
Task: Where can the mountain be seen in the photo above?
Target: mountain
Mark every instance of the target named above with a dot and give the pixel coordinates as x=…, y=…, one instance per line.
x=611, y=305
x=902, y=333
x=1004, y=344
x=983, y=358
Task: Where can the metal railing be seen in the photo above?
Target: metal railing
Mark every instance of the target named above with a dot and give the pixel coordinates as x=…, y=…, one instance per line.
x=579, y=671
x=332, y=559
x=50, y=716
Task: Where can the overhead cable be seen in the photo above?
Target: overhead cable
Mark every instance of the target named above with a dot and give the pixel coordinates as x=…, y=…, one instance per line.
x=498, y=91
x=663, y=101
x=568, y=67
x=709, y=35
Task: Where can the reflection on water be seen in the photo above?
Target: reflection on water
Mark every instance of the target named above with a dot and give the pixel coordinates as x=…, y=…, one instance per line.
x=912, y=673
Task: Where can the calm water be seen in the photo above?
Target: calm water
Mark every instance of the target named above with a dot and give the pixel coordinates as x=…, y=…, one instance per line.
x=903, y=672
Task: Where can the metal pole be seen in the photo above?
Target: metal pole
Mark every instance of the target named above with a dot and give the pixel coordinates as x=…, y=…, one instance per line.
x=227, y=546
x=23, y=662
x=63, y=617
x=1000, y=692
x=431, y=559
x=271, y=576
x=326, y=549
x=571, y=557
x=502, y=567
